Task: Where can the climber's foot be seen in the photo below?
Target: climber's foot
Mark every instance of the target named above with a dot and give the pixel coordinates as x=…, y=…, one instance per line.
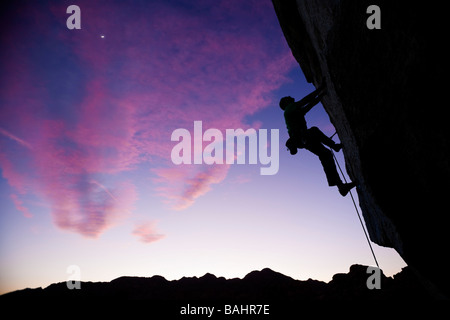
x=337, y=147
x=344, y=188
x=290, y=144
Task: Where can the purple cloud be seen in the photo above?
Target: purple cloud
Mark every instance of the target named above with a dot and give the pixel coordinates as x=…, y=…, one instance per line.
x=82, y=111
x=146, y=232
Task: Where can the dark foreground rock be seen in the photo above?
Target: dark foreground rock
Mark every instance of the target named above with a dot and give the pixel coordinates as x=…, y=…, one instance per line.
x=265, y=286
x=386, y=99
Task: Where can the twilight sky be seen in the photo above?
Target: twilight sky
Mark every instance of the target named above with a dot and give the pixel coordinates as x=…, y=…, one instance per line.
x=86, y=118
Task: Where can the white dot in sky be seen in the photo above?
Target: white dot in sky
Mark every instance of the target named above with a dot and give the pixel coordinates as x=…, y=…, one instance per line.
x=102, y=36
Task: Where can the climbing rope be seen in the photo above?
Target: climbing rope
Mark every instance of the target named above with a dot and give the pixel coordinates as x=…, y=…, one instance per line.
x=356, y=208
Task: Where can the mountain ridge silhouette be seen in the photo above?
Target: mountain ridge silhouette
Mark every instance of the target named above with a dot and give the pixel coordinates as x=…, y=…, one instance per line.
x=261, y=286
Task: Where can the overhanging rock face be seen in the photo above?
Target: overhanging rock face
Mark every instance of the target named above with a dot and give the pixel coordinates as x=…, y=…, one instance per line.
x=386, y=99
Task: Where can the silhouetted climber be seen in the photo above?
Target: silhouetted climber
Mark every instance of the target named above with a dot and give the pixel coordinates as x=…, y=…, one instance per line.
x=312, y=139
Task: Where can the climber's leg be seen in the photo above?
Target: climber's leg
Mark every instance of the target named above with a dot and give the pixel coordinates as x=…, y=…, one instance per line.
x=314, y=134
x=326, y=158
x=344, y=188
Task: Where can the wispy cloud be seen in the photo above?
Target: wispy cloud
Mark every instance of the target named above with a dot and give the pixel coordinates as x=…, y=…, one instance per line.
x=19, y=206
x=15, y=138
x=89, y=110
x=182, y=185
x=89, y=210
x=146, y=232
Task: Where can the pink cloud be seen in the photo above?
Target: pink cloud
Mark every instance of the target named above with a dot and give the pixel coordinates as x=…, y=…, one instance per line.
x=89, y=209
x=15, y=138
x=146, y=232
x=19, y=206
x=241, y=179
x=15, y=178
x=182, y=185
x=155, y=71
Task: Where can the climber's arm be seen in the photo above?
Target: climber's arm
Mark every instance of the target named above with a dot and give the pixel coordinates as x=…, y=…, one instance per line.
x=308, y=102
x=309, y=106
x=312, y=103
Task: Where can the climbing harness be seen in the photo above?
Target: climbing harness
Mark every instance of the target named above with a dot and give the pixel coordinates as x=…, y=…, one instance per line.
x=356, y=208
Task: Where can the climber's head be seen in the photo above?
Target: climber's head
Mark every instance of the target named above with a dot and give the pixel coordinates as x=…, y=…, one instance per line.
x=285, y=101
